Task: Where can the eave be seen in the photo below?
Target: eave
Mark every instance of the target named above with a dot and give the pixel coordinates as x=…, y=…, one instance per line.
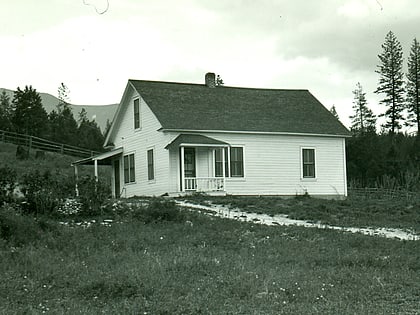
x=256, y=133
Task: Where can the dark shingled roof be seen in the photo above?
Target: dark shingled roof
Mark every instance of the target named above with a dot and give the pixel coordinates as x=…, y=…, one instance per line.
x=198, y=107
x=194, y=139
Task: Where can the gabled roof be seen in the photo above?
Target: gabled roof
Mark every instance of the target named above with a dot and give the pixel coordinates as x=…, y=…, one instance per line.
x=182, y=106
x=196, y=140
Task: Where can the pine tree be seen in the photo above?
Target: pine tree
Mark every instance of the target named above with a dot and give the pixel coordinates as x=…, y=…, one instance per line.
x=413, y=86
x=63, y=97
x=63, y=125
x=363, y=119
x=5, y=112
x=107, y=128
x=334, y=112
x=89, y=134
x=29, y=116
x=391, y=82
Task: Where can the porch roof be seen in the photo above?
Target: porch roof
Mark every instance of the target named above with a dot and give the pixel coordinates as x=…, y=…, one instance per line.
x=102, y=159
x=195, y=140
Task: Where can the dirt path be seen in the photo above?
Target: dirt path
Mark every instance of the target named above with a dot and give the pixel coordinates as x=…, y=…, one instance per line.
x=226, y=212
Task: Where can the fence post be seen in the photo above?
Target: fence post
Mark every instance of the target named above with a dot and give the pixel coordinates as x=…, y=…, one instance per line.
x=30, y=144
x=62, y=149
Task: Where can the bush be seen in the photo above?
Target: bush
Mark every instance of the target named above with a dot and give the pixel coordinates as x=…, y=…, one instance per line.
x=16, y=228
x=38, y=190
x=7, y=184
x=92, y=195
x=160, y=210
x=44, y=192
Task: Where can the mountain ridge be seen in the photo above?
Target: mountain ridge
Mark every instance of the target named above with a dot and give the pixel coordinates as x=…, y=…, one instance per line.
x=100, y=113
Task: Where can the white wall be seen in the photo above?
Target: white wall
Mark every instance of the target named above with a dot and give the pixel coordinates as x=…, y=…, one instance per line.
x=138, y=142
x=272, y=165
x=272, y=162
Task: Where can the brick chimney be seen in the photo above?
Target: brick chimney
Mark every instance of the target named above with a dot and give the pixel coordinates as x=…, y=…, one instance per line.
x=210, y=79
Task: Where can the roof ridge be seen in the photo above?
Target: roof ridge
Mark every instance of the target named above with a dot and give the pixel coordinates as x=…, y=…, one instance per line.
x=219, y=86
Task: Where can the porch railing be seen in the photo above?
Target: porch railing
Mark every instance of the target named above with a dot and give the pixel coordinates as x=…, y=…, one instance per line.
x=204, y=184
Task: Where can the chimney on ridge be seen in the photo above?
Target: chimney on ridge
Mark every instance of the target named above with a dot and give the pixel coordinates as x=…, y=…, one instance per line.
x=210, y=80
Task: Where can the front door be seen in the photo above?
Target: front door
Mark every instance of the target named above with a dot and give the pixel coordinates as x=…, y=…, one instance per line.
x=189, y=162
x=117, y=178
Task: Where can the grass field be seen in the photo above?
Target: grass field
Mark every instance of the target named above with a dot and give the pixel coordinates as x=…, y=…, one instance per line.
x=51, y=162
x=205, y=265
x=354, y=212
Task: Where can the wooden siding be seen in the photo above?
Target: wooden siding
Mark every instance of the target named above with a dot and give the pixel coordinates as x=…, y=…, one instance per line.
x=138, y=141
x=272, y=165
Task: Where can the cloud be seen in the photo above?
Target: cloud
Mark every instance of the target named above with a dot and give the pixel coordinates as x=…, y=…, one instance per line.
x=326, y=47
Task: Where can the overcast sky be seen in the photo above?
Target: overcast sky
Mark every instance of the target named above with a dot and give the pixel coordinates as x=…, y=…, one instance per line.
x=324, y=46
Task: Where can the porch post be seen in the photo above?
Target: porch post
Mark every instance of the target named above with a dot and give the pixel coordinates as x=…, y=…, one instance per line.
x=223, y=168
x=96, y=174
x=96, y=170
x=76, y=174
x=182, y=169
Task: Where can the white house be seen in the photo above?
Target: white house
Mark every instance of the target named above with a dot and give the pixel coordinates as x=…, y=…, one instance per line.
x=173, y=138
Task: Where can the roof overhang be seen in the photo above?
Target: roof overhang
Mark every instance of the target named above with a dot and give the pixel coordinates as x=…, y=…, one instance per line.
x=259, y=132
x=102, y=159
x=195, y=140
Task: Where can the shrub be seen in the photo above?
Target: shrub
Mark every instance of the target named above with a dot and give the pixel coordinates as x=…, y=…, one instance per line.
x=38, y=190
x=16, y=228
x=7, y=184
x=160, y=210
x=93, y=195
x=44, y=192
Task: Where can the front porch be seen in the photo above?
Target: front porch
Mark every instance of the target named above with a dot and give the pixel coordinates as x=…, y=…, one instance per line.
x=201, y=163
x=204, y=184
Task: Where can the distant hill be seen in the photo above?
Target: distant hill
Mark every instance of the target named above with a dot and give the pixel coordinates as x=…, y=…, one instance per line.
x=101, y=113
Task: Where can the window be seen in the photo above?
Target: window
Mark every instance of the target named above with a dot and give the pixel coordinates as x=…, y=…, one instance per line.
x=308, y=163
x=236, y=162
x=150, y=165
x=129, y=170
x=136, y=113
x=218, y=162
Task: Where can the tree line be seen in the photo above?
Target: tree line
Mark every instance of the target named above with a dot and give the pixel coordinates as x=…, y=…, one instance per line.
x=25, y=114
x=389, y=157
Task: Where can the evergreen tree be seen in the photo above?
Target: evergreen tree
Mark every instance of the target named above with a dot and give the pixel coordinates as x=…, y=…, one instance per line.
x=5, y=112
x=107, y=128
x=363, y=119
x=63, y=97
x=63, y=125
x=391, y=82
x=89, y=134
x=219, y=81
x=413, y=86
x=334, y=112
x=29, y=116
x=82, y=117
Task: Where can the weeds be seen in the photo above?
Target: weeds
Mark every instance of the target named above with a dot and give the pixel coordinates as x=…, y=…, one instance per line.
x=160, y=210
x=213, y=266
x=18, y=229
x=7, y=184
x=354, y=212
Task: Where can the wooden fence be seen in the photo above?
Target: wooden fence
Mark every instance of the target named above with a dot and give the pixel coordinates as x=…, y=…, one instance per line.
x=32, y=142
